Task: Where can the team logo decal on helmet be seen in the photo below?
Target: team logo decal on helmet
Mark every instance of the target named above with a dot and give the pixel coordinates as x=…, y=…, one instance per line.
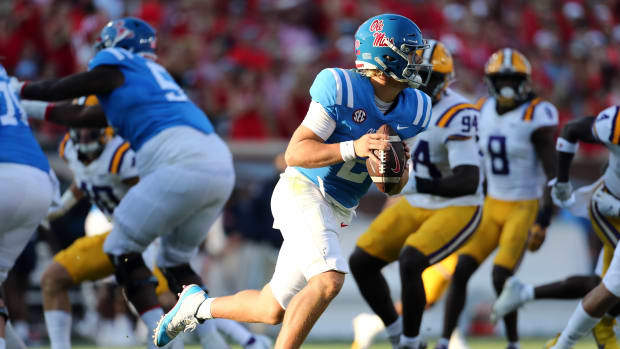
x=389, y=42
x=359, y=116
x=132, y=34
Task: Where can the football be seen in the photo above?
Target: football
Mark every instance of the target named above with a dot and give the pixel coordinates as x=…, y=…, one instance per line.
x=387, y=173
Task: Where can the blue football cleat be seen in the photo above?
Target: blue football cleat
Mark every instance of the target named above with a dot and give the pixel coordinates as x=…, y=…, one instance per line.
x=181, y=318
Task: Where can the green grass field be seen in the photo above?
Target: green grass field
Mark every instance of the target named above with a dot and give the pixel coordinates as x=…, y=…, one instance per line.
x=490, y=343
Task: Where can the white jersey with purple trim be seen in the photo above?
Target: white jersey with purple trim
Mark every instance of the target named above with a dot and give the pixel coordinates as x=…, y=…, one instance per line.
x=449, y=141
x=606, y=128
x=513, y=170
x=102, y=179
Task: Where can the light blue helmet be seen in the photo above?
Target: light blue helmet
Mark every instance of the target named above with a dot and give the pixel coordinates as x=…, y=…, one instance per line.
x=388, y=42
x=132, y=34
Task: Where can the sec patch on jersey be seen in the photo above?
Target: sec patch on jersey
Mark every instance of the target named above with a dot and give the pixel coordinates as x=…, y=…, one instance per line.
x=388, y=172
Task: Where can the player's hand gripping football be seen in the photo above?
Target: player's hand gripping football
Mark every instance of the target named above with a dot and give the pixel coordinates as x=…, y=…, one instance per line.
x=366, y=144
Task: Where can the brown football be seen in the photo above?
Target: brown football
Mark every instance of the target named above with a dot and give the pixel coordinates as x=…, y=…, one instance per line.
x=386, y=174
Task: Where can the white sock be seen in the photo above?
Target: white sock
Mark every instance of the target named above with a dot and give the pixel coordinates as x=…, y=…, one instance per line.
x=411, y=342
x=514, y=345
x=2, y=343
x=204, y=310
x=527, y=293
x=234, y=330
x=395, y=328
x=445, y=342
x=579, y=324
x=12, y=338
x=151, y=318
x=58, y=324
x=209, y=337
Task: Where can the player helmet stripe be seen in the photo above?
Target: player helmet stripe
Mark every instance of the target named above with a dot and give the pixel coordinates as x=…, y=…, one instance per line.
x=508, y=61
x=388, y=42
x=132, y=34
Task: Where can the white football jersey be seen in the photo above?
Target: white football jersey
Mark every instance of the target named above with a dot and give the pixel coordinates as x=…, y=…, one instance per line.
x=512, y=168
x=606, y=129
x=102, y=179
x=449, y=141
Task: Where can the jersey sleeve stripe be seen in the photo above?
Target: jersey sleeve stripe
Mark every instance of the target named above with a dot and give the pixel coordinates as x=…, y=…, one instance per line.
x=614, y=137
x=529, y=112
x=338, y=86
x=480, y=102
x=63, y=145
x=427, y=110
x=419, y=110
x=445, y=119
x=347, y=79
x=117, y=158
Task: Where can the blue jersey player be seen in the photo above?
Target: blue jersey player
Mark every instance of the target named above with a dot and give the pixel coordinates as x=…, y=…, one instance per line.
x=25, y=185
x=186, y=172
x=326, y=176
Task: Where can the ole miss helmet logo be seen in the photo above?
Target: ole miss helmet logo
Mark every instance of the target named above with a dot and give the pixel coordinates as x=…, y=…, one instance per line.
x=376, y=25
x=359, y=116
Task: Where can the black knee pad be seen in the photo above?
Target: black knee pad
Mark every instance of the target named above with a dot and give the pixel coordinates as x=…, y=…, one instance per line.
x=361, y=261
x=176, y=275
x=132, y=273
x=465, y=268
x=412, y=260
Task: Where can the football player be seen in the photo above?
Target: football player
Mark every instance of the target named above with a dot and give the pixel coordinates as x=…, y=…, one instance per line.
x=516, y=131
x=325, y=178
x=441, y=208
x=104, y=170
x=25, y=183
x=186, y=171
x=605, y=217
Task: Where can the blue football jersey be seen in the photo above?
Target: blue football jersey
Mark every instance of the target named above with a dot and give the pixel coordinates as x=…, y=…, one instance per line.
x=17, y=144
x=149, y=101
x=349, y=99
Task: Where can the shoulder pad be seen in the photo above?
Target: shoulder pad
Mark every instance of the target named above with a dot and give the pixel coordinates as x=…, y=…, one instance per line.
x=110, y=56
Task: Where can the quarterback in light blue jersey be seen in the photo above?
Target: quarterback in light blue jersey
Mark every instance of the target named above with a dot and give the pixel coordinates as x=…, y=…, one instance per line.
x=185, y=169
x=26, y=185
x=326, y=176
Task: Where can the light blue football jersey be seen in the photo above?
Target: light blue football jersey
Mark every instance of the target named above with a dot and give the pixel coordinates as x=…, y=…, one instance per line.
x=349, y=99
x=17, y=144
x=149, y=101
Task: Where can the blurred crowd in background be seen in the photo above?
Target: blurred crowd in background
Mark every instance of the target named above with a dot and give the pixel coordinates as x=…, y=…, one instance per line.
x=249, y=65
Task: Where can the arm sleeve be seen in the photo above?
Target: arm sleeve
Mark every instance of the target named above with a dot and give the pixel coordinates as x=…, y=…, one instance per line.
x=606, y=127
x=327, y=90
x=318, y=121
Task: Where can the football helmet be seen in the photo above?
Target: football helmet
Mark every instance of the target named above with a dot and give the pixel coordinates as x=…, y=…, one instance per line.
x=389, y=42
x=132, y=34
x=442, y=74
x=507, y=74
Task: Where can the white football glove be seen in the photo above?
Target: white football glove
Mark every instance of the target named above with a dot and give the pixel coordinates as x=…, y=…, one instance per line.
x=606, y=203
x=561, y=193
x=16, y=85
x=35, y=109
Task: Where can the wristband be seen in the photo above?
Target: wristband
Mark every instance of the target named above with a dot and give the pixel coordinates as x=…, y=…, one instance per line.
x=565, y=146
x=347, y=151
x=37, y=109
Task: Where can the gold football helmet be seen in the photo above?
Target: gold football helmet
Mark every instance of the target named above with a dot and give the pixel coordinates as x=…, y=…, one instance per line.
x=507, y=74
x=443, y=68
x=89, y=142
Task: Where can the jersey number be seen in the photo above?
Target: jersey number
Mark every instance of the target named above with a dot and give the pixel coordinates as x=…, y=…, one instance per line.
x=10, y=108
x=347, y=173
x=102, y=196
x=497, y=152
x=422, y=156
x=166, y=83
